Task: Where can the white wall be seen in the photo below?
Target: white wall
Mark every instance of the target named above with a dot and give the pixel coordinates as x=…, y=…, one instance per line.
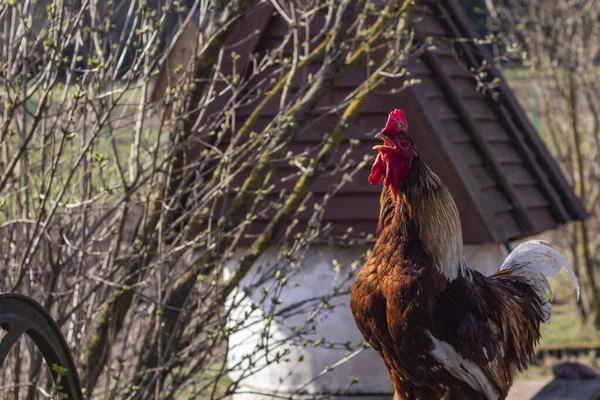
x=486, y=258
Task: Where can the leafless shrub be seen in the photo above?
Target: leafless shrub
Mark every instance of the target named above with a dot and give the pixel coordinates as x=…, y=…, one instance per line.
x=119, y=212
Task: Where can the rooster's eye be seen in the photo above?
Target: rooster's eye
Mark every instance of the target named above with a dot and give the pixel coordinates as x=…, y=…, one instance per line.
x=404, y=142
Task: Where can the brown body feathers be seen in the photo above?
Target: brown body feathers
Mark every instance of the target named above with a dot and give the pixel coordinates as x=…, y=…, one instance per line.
x=442, y=329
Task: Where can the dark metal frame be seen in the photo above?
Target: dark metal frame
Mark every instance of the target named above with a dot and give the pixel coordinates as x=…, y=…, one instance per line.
x=21, y=315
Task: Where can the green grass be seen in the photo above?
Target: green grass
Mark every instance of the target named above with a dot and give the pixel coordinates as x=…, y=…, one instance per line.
x=566, y=328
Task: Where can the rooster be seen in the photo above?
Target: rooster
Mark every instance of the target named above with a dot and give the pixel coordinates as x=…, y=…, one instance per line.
x=443, y=329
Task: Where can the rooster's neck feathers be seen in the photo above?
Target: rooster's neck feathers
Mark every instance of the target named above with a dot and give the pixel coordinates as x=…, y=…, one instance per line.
x=425, y=209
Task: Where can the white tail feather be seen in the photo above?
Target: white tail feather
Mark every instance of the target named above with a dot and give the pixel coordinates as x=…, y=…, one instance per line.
x=463, y=368
x=535, y=261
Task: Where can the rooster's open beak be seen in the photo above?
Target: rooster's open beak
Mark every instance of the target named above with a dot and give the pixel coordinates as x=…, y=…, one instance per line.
x=387, y=141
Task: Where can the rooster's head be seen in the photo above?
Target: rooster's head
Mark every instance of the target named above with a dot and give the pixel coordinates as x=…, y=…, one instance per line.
x=395, y=155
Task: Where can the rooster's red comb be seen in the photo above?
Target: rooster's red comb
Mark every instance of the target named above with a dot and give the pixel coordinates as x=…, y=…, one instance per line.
x=396, y=123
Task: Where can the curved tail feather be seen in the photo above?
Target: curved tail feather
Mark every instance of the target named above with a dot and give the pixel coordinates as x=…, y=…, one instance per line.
x=535, y=261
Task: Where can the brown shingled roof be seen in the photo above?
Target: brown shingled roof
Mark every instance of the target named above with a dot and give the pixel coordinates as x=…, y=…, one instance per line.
x=504, y=181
